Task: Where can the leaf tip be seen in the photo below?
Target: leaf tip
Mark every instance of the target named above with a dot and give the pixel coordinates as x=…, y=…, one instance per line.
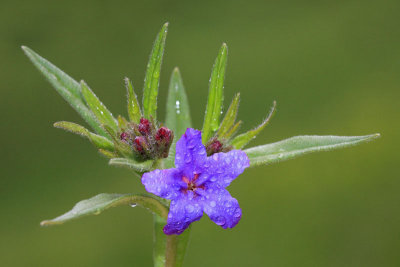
x=176, y=70
x=45, y=223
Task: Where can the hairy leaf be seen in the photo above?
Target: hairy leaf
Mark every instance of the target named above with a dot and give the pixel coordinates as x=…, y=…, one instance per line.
x=215, y=95
x=101, y=202
x=67, y=87
x=178, y=114
x=134, y=112
x=132, y=164
x=241, y=140
x=102, y=114
x=300, y=145
x=97, y=140
x=152, y=77
x=230, y=117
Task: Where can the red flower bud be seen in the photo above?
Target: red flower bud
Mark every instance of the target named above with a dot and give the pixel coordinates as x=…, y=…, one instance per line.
x=214, y=147
x=144, y=126
x=163, y=135
x=124, y=136
x=140, y=144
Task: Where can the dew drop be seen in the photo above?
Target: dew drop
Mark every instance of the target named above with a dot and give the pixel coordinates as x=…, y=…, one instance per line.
x=237, y=213
x=189, y=208
x=220, y=220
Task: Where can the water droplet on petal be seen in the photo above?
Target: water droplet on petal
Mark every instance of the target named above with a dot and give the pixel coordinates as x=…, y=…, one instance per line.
x=220, y=220
x=238, y=213
x=189, y=208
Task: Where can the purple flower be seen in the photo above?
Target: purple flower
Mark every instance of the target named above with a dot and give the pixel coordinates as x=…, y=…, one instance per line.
x=197, y=184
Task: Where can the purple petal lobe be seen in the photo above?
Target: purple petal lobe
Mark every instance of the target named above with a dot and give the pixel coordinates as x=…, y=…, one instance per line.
x=182, y=213
x=163, y=183
x=223, y=168
x=222, y=208
x=190, y=152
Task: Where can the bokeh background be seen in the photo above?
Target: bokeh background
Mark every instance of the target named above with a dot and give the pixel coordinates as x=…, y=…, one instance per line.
x=332, y=66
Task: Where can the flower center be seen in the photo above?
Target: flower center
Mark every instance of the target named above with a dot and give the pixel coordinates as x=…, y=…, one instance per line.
x=191, y=184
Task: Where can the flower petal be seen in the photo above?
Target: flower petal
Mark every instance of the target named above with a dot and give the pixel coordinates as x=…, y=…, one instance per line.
x=182, y=212
x=190, y=153
x=221, y=207
x=223, y=168
x=162, y=183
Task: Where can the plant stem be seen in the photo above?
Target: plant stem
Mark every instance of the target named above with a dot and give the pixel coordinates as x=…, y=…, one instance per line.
x=169, y=250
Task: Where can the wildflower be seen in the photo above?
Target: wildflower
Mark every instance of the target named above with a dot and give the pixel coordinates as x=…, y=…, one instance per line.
x=197, y=184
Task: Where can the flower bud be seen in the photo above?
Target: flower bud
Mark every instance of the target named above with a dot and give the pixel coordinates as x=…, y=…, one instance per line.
x=124, y=136
x=140, y=144
x=213, y=147
x=144, y=126
x=164, y=137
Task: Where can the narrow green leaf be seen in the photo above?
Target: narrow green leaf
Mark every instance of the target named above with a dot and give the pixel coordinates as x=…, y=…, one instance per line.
x=67, y=87
x=132, y=164
x=97, y=140
x=299, y=145
x=152, y=78
x=232, y=131
x=122, y=122
x=108, y=154
x=241, y=140
x=215, y=95
x=121, y=147
x=102, y=114
x=101, y=202
x=230, y=116
x=134, y=112
x=178, y=113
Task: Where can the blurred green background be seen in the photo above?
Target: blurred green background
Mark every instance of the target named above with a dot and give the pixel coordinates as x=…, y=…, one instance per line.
x=332, y=66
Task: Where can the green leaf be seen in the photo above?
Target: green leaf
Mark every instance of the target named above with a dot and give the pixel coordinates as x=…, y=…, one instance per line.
x=152, y=78
x=300, y=145
x=230, y=117
x=67, y=87
x=102, y=114
x=132, y=164
x=232, y=131
x=121, y=147
x=97, y=140
x=178, y=113
x=101, y=202
x=108, y=154
x=241, y=140
x=215, y=95
x=134, y=112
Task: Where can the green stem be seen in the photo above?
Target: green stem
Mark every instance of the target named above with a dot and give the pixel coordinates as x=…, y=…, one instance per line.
x=169, y=250
x=159, y=241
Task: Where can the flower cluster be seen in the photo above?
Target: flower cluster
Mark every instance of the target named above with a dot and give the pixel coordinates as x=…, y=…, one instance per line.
x=197, y=184
x=146, y=140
